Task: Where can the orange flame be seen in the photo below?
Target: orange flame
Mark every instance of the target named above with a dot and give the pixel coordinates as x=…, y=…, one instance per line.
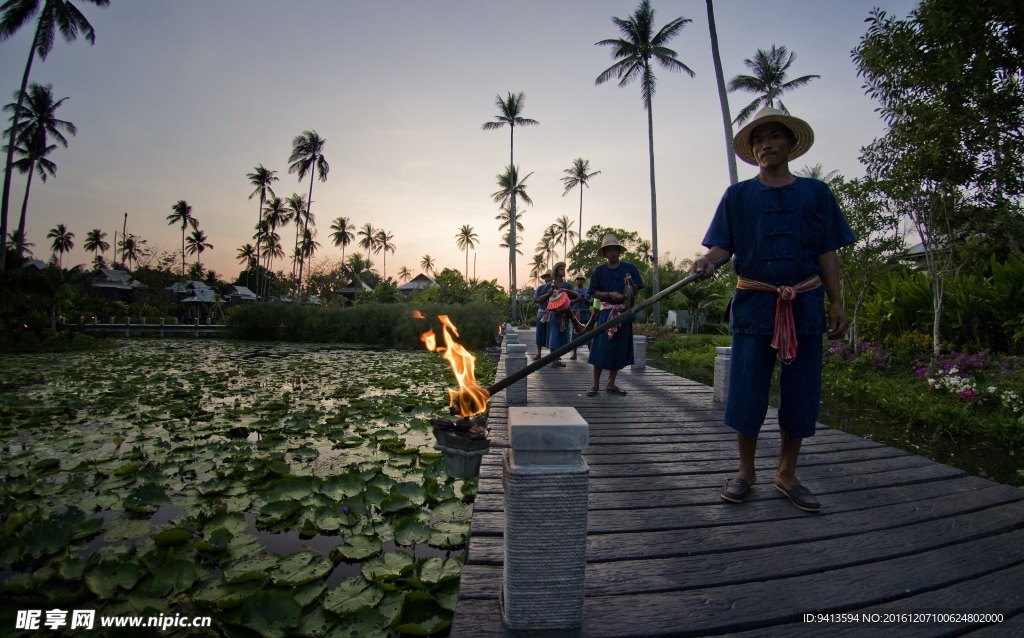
x=416, y=314
x=470, y=398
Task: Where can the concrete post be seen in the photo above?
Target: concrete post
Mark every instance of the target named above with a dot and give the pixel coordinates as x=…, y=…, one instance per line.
x=639, y=353
x=95, y=321
x=142, y=321
x=111, y=322
x=162, y=322
x=723, y=364
x=546, y=488
x=515, y=360
x=127, y=326
x=175, y=321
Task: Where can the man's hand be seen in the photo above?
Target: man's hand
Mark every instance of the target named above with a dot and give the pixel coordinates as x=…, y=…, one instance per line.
x=703, y=264
x=838, y=322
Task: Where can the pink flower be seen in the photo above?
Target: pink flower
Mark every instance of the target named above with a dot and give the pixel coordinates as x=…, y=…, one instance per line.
x=967, y=394
x=921, y=371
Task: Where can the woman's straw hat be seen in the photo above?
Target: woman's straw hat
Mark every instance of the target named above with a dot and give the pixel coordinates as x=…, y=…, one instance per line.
x=609, y=240
x=801, y=129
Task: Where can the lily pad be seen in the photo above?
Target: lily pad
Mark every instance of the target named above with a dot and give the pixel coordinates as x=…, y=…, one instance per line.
x=422, y=615
x=389, y=566
x=359, y=547
x=174, y=577
x=352, y=595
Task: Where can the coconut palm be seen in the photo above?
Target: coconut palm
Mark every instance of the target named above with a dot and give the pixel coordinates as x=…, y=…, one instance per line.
x=17, y=240
x=404, y=274
x=299, y=209
x=563, y=233
x=37, y=124
x=272, y=250
x=62, y=242
x=723, y=96
x=342, y=235
x=182, y=214
x=369, y=239
x=817, y=172
x=509, y=110
x=578, y=176
x=385, y=246
x=537, y=268
x=427, y=264
x=634, y=53
x=261, y=178
x=769, y=80
x=308, y=246
x=247, y=255
x=197, y=243
x=466, y=240
x=94, y=242
x=546, y=246
x=129, y=246
x=54, y=15
x=307, y=156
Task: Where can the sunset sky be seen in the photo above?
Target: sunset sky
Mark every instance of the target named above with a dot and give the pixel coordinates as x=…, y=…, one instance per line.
x=180, y=100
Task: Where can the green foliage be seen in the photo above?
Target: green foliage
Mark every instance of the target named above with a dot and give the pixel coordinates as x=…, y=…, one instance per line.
x=689, y=356
x=375, y=324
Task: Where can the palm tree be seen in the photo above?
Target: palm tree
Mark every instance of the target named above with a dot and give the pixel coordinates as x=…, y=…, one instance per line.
x=17, y=240
x=94, y=242
x=54, y=15
x=509, y=110
x=634, y=53
x=537, y=268
x=271, y=250
x=37, y=123
x=261, y=178
x=578, y=176
x=307, y=156
x=342, y=235
x=369, y=239
x=197, y=242
x=299, y=208
x=769, y=80
x=818, y=172
x=182, y=215
x=404, y=274
x=466, y=240
x=546, y=246
x=723, y=97
x=384, y=245
x=308, y=246
x=129, y=246
x=247, y=255
x=427, y=264
x=62, y=242
x=563, y=233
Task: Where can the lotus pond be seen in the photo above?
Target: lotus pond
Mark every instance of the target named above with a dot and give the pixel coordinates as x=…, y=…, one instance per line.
x=279, y=489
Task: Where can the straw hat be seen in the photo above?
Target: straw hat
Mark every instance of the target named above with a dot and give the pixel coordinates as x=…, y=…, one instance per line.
x=547, y=273
x=801, y=129
x=609, y=240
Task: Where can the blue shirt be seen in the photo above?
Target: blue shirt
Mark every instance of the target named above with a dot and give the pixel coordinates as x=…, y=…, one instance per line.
x=542, y=305
x=775, y=234
x=607, y=279
x=583, y=303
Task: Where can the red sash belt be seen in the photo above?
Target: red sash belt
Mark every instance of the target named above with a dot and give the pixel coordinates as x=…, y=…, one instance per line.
x=784, y=337
x=616, y=310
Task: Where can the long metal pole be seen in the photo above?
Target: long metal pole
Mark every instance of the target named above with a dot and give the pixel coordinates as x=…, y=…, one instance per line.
x=501, y=384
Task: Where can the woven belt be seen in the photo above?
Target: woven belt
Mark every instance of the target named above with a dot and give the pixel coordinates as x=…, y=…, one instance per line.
x=784, y=337
x=616, y=310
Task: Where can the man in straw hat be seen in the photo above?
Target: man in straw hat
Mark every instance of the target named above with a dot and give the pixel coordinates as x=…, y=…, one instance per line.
x=783, y=232
x=541, y=298
x=612, y=283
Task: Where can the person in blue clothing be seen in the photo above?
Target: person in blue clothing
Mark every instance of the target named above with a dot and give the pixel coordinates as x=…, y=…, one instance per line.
x=612, y=350
x=783, y=232
x=559, y=328
x=581, y=306
x=542, y=307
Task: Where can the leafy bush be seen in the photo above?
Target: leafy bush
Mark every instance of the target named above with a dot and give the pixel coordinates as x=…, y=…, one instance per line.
x=386, y=325
x=29, y=341
x=689, y=356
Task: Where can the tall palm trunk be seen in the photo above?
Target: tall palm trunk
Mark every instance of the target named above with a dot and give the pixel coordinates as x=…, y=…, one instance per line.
x=579, y=238
x=9, y=167
x=259, y=240
x=182, y=252
x=512, y=218
x=730, y=152
x=305, y=226
x=655, y=283
x=24, y=210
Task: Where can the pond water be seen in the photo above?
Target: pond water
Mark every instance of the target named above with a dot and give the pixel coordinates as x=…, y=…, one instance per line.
x=234, y=480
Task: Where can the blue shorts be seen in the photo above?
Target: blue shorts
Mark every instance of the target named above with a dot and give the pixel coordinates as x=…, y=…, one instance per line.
x=750, y=379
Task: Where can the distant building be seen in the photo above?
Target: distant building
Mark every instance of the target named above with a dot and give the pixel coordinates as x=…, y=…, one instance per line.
x=419, y=282
x=114, y=285
x=349, y=292
x=38, y=264
x=239, y=295
x=917, y=256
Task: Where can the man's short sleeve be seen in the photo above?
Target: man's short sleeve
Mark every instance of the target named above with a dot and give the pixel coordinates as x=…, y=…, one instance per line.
x=720, y=232
x=836, y=231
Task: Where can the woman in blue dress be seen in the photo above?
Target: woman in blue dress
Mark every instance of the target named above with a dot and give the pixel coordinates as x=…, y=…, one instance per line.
x=581, y=307
x=612, y=350
x=559, y=327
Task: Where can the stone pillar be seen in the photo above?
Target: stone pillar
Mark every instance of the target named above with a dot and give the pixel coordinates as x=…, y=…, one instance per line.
x=175, y=321
x=142, y=321
x=723, y=364
x=639, y=353
x=511, y=338
x=127, y=326
x=515, y=360
x=111, y=322
x=95, y=321
x=546, y=487
x=162, y=322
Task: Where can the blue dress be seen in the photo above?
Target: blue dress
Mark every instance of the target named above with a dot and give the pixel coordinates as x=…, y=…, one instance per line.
x=615, y=352
x=542, y=328
x=581, y=307
x=559, y=327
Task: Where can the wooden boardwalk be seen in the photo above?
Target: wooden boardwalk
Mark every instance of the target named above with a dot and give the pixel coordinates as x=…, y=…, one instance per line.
x=898, y=533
